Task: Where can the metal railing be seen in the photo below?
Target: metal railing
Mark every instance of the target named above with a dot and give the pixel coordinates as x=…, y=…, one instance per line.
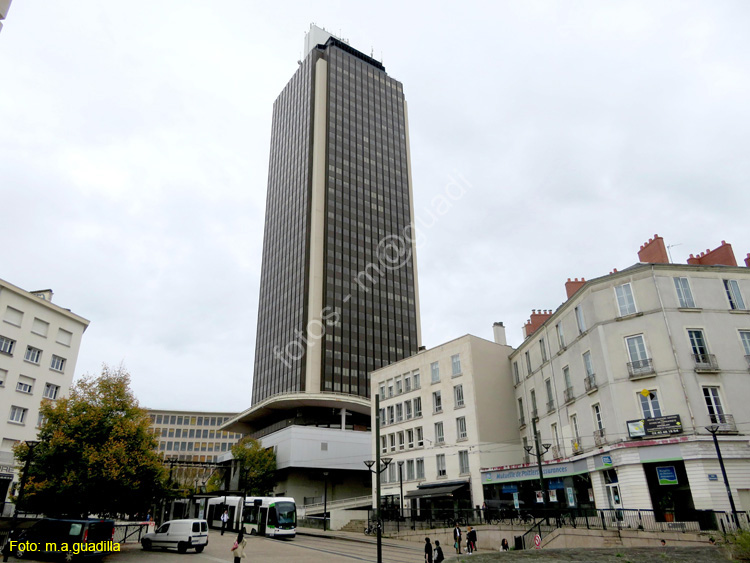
x=556, y=452
x=522, y=421
x=569, y=395
x=725, y=421
x=132, y=533
x=706, y=363
x=545, y=521
x=534, y=413
x=599, y=437
x=550, y=406
x=589, y=383
x=640, y=368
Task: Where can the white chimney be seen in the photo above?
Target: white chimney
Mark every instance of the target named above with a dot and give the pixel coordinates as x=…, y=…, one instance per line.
x=498, y=329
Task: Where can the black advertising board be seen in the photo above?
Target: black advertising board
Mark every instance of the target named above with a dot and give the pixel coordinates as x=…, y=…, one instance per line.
x=658, y=426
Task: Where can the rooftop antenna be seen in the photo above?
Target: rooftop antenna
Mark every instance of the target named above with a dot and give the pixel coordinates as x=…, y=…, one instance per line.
x=669, y=252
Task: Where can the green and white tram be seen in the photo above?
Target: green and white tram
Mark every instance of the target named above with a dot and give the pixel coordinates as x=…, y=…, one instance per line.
x=275, y=517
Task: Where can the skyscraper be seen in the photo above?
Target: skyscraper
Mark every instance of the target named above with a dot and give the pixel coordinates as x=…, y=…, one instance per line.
x=338, y=292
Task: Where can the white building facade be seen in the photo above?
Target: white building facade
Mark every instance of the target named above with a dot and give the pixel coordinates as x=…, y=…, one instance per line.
x=444, y=414
x=39, y=343
x=622, y=381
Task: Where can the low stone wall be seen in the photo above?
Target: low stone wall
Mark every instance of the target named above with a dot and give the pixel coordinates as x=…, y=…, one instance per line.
x=582, y=538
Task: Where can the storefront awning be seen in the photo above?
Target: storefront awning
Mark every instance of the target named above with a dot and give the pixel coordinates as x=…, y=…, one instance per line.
x=434, y=492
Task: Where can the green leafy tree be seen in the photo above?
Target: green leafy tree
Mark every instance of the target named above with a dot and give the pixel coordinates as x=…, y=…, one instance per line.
x=258, y=466
x=95, y=453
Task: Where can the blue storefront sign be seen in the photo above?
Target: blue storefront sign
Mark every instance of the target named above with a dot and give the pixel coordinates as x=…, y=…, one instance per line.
x=527, y=473
x=667, y=475
x=510, y=488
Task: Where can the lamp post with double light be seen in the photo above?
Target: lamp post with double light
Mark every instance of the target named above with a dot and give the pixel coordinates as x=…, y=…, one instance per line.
x=713, y=429
x=325, y=498
x=379, y=464
x=539, y=454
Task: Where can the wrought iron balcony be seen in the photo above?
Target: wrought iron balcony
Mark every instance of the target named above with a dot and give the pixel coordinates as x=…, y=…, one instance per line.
x=534, y=413
x=706, y=363
x=569, y=395
x=725, y=421
x=599, y=437
x=556, y=452
x=522, y=422
x=550, y=406
x=576, y=447
x=641, y=368
x=590, y=383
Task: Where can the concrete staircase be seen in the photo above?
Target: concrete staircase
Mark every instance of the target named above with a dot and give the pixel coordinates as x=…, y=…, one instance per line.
x=355, y=526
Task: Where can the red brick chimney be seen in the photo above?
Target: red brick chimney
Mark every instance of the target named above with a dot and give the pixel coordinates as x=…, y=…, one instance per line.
x=572, y=286
x=721, y=256
x=654, y=251
x=537, y=320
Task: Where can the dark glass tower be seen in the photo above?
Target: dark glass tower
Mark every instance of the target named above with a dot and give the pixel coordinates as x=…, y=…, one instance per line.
x=338, y=293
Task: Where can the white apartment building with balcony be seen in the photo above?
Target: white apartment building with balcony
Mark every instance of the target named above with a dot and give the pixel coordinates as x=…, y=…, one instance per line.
x=622, y=381
x=446, y=413
x=39, y=343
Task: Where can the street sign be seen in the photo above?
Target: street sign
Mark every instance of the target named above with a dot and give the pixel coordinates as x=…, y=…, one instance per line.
x=713, y=477
x=537, y=541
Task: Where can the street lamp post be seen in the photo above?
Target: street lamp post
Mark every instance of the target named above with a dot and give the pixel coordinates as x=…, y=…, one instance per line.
x=713, y=429
x=325, y=498
x=377, y=471
x=539, y=454
x=30, y=444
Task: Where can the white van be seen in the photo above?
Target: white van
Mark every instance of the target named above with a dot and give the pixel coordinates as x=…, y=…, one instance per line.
x=180, y=534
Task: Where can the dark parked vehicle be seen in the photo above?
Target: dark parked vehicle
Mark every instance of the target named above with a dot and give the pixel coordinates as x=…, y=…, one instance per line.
x=66, y=538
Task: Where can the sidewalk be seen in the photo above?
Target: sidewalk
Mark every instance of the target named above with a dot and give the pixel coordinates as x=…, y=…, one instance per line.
x=350, y=536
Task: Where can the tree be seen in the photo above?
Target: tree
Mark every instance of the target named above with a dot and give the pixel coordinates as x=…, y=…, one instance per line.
x=257, y=466
x=95, y=454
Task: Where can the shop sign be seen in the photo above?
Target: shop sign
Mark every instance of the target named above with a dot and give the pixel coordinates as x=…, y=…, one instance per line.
x=510, y=488
x=607, y=460
x=527, y=473
x=713, y=477
x=555, y=484
x=7, y=469
x=658, y=426
x=667, y=475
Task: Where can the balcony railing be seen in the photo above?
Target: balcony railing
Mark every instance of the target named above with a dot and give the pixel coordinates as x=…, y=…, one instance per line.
x=706, y=363
x=641, y=368
x=725, y=421
x=522, y=422
x=590, y=383
x=534, y=413
x=569, y=395
x=550, y=406
x=575, y=445
x=556, y=452
x=599, y=437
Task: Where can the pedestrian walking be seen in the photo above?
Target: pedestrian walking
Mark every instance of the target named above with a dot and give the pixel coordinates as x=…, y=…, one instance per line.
x=471, y=540
x=427, y=551
x=238, y=549
x=504, y=545
x=439, y=557
x=457, y=538
x=484, y=513
x=224, y=520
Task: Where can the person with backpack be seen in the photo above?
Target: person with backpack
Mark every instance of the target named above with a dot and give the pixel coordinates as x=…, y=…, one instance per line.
x=439, y=557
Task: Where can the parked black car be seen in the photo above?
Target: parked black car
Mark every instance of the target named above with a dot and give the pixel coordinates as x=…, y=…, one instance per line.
x=66, y=538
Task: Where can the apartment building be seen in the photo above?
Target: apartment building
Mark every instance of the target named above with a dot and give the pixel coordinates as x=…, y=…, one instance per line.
x=444, y=414
x=192, y=435
x=39, y=343
x=623, y=382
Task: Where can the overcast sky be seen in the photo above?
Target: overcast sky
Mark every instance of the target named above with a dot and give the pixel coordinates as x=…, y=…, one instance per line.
x=134, y=141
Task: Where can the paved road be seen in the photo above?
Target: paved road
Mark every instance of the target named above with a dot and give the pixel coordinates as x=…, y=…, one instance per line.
x=302, y=549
